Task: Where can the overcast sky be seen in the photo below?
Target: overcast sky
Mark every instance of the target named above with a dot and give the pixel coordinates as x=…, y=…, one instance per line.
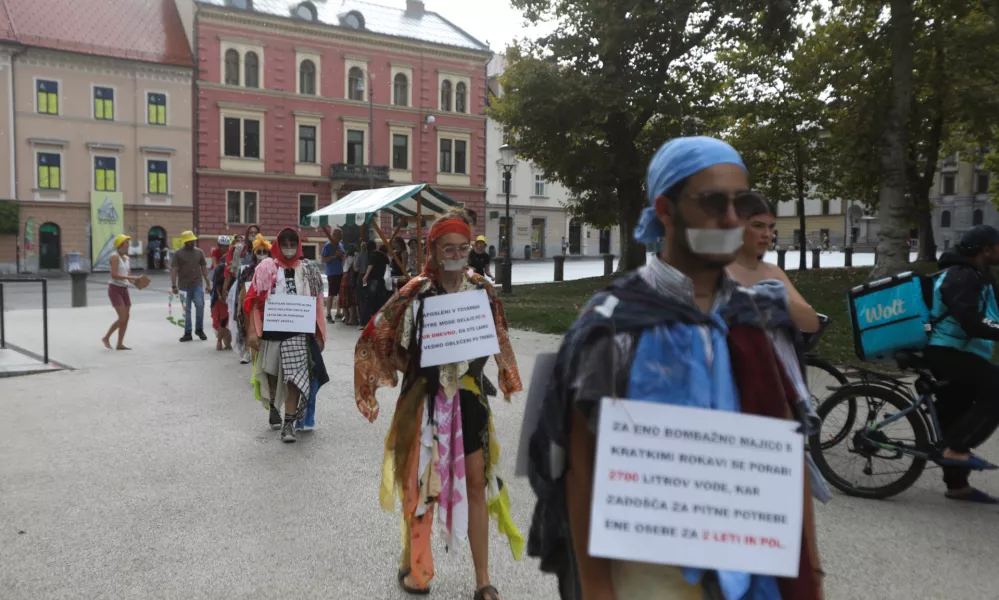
x=492, y=21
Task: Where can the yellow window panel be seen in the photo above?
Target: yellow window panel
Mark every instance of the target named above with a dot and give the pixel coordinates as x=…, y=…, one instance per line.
x=161, y=114
x=109, y=109
x=152, y=114
x=54, y=177
x=98, y=108
x=43, y=102
x=43, y=177
x=99, y=180
x=162, y=183
x=53, y=103
x=109, y=183
x=152, y=183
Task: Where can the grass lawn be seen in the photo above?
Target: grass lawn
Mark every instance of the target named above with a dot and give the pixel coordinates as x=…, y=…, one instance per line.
x=552, y=307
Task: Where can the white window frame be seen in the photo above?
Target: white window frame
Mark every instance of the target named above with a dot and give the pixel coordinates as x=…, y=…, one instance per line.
x=309, y=119
x=314, y=195
x=242, y=47
x=362, y=64
x=166, y=109
x=58, y=82
x=146, y=158
x=407, y=70
x=241, y=163
x=93, y=109
x=62, y=169
x=302, y=55
x=406, y=130
x=454, y=77
x=242, y=206
x=943, y=184
x=356, y=124
x=544, y=186
x=93, y=168
x=454, y=178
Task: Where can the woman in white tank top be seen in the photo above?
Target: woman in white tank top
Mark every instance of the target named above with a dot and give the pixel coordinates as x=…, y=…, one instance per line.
x=121, y=278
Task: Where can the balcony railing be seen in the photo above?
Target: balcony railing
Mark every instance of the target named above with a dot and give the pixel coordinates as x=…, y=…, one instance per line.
x=359, y=172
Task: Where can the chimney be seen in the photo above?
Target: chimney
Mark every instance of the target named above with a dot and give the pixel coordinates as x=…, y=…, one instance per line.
x=414, y=7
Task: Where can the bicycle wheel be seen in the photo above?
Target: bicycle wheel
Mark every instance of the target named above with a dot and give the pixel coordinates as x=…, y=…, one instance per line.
x=820, y=376
x=871, y=464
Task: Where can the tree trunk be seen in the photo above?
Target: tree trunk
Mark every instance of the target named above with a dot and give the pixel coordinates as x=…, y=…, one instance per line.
x=799, y=182
x=631, y=202
x=893, y=206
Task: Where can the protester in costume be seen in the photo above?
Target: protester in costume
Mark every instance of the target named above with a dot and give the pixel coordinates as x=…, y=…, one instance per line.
x=260, y=250
x=286, y=362
x=238, y=253
x=678, y=331
x=749, y=268
x=219, y=308
x=347, y=301
x=452, y=472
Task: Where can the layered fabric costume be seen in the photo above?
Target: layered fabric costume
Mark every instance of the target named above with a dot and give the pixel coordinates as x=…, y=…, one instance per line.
x=424, y=459
x=237, y=294
x=294, y=359
x=633, y=341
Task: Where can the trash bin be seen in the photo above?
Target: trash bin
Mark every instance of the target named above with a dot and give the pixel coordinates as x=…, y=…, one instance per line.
x=527, y=252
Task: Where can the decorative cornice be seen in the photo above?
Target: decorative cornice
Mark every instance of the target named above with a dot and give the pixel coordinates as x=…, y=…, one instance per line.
x=306, y=50
x=408, y=124
x=157, y=150
x=297, y=28
x=105, y=146
x=251, y=175
x=450, y=129
x=455, y=73
x=464, y=188
x=240, y=106
x=40, y=141
x=309, y=114
x=106, y=65
x=355, y=58
x=400, y=65
x=214, y=85
x=352, y=119
x=233, y=39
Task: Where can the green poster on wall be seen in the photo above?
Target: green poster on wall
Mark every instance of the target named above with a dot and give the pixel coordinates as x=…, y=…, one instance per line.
x=107, y=220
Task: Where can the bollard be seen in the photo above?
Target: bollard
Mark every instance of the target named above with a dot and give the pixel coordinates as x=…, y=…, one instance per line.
x=559, y=268
x=875, y=256
x=781, y=255
x=79, y=290
x=848, y=257
x=815, y=257
x=608, y=264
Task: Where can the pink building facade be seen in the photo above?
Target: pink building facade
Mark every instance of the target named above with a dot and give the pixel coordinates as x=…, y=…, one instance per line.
x=298, y=106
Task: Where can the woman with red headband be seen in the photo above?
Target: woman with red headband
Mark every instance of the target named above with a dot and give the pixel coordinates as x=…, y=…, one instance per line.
x=441, y=452
x=289, y=363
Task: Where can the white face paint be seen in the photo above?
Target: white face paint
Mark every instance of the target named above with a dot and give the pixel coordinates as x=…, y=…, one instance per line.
x=714, y=241
x=289, y=252
x=453, y=265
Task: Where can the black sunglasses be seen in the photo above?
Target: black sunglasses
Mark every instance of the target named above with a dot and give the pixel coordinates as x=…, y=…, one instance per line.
x=715, y=204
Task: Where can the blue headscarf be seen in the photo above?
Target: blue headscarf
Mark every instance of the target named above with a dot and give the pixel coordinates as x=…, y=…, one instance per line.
x=675, y=161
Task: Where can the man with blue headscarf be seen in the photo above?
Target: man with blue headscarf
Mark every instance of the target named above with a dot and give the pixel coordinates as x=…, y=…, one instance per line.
x=678, y=331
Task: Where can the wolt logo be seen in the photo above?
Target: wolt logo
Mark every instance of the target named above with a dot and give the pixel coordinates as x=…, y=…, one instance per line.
x=882, y=311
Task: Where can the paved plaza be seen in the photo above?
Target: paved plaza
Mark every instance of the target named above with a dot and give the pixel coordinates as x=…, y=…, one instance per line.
x=153, y=474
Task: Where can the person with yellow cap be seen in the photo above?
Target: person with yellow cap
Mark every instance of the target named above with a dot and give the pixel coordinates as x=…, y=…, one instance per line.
x=188, y=268
x=479, y=259
x=121, y=277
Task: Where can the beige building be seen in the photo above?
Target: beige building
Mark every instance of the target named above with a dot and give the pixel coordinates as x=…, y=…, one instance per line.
x=81, y=114
x=537, y=206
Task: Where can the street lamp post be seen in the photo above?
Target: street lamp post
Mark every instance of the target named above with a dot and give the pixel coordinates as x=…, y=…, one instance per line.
x=508, y=160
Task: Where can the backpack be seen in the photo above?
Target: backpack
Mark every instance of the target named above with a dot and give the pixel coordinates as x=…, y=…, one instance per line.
x=893, y=314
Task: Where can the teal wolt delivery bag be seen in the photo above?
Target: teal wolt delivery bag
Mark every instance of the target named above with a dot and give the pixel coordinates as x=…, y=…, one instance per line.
x=891, y=314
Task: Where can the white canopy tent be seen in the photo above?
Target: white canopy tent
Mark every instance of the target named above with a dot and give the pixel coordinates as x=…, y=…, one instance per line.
x=410, y=202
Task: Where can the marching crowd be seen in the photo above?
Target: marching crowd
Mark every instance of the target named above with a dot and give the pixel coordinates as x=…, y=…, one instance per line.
x=706, y=324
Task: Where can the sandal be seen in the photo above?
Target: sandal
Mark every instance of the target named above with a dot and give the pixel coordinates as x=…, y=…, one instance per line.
x=976, y=495
x=493, y=594
x=403, y=574
x=973, y=462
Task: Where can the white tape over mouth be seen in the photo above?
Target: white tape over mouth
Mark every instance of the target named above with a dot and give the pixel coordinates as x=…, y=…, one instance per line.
x=714, y=241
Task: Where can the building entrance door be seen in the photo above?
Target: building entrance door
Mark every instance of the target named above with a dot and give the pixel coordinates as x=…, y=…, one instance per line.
x=538, y=238
x=575, y=237
x=605, y=241
x=49, y=247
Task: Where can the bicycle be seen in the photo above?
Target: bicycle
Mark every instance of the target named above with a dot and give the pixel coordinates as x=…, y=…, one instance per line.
x=873, y=438
x=820, y=374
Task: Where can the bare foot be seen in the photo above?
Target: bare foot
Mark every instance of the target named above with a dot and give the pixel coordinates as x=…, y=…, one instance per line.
x=122, y=347
x=107, y=343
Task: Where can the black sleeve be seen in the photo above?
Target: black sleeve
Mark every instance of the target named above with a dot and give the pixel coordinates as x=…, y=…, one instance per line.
x=961, y=293
x=594, y=378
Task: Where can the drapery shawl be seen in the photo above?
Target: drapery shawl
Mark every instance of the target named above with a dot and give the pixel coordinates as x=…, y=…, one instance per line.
x=414, y=441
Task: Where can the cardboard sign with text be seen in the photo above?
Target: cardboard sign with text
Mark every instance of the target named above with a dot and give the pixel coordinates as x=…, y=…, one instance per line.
x=457, y=327
x=290, y=313
x=693, y=487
